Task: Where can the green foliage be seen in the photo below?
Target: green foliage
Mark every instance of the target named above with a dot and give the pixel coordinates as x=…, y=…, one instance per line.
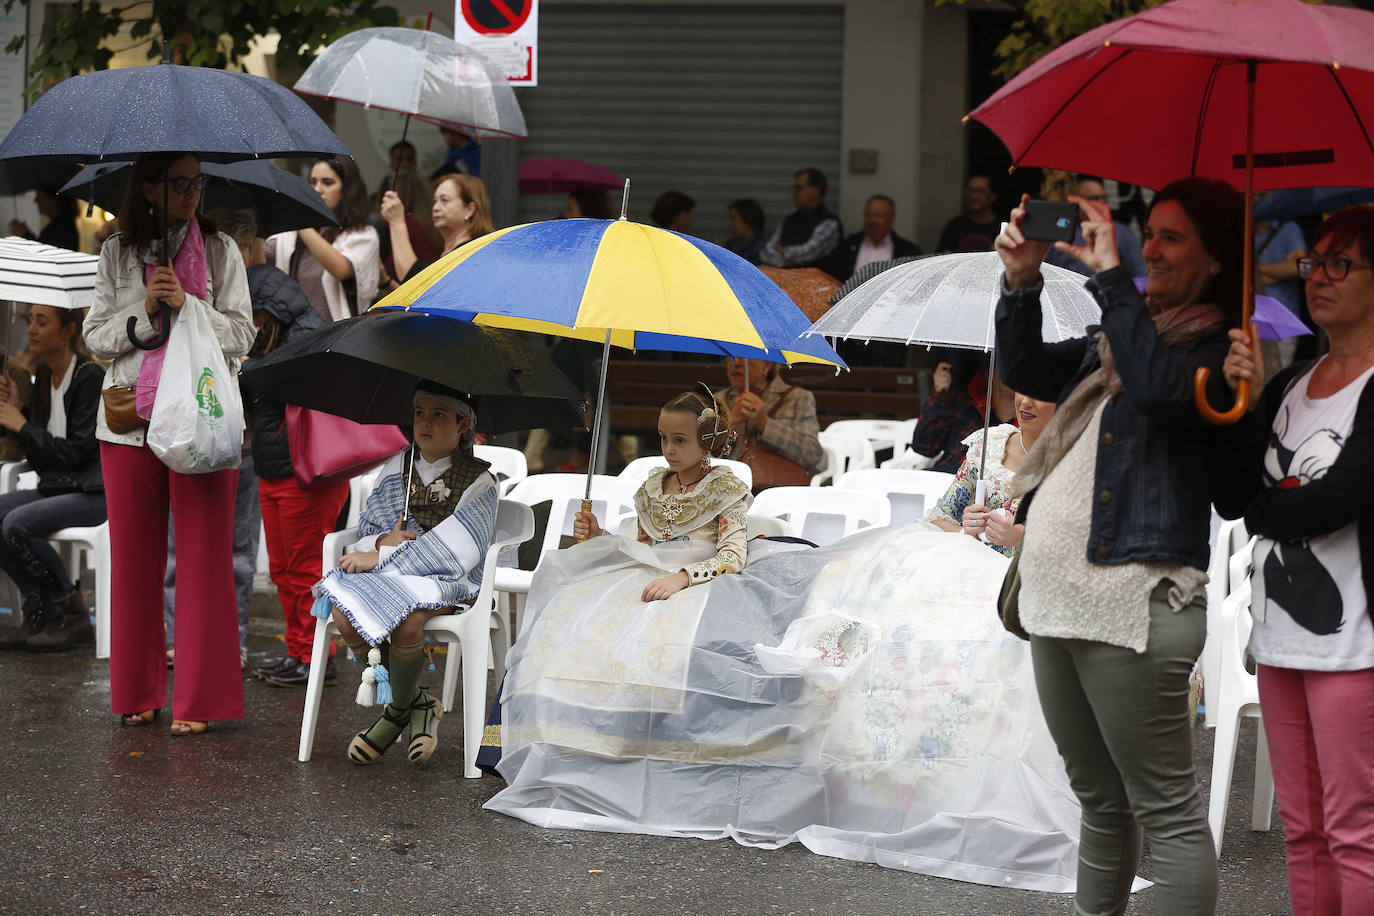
x=202, y=33
x=1046, y=24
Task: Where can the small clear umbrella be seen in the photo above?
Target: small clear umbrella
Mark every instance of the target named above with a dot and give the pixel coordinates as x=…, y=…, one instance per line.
x=420, y=74
x=951, y=300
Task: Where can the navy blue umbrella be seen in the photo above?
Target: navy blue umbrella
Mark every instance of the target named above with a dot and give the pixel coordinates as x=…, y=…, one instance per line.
x=282, y=200
x=1276, y=206
x=219, y=115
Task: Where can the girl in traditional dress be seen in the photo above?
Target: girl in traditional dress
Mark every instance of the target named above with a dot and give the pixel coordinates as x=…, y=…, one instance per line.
x=425, y=532
x=861, y=698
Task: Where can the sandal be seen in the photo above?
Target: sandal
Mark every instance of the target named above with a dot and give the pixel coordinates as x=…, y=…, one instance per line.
x=425, y=714
x=183, y=727
x=363, y=750
x=140, y=718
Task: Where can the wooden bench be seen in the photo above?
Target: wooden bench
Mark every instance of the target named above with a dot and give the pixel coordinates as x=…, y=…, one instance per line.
x=638, y=388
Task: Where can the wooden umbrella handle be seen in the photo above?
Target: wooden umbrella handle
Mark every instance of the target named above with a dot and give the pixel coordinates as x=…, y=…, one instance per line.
x=1210, y=413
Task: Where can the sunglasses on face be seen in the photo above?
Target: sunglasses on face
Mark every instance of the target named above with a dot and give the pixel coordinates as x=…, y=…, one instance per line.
x=1336, y=266
x=184, y=185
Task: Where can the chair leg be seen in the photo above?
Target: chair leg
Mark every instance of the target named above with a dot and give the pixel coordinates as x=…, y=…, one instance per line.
x=500, y=643
x=1223, y=761
x=102, y=594
x=314, y=692
x=1263, y=815
x=451, y=666
x=475, y=648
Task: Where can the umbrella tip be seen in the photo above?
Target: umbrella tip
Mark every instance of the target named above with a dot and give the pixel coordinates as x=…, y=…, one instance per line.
x=964, y=119
x=166, y=53
x=625, y=200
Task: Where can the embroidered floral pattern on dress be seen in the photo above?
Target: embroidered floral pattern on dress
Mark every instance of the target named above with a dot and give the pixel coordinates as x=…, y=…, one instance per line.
x=841, y=644
x=960, y=494
x=715, y=511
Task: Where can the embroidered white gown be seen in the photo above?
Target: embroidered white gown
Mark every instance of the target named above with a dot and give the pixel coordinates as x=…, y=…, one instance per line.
x=861, y=699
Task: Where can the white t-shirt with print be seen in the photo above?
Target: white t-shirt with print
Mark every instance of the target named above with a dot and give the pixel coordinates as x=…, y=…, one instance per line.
x=1310, y=607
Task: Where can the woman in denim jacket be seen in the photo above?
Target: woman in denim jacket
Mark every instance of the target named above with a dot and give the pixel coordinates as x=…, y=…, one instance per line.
x=1116, y=505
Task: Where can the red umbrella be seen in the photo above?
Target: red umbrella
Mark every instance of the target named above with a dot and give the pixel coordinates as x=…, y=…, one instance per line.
x=1172, y=92
x=551, y=175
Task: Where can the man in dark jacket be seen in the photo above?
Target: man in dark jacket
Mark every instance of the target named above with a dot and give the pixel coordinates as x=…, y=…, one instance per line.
x=876, y=243
x=808, y=234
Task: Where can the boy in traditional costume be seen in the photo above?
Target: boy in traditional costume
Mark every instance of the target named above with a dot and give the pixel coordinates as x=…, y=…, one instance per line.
x=424, y=536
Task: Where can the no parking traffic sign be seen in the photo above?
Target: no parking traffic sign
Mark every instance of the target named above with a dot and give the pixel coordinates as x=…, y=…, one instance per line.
x=507, y=31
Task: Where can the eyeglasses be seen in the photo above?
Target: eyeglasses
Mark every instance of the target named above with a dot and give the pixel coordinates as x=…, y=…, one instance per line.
x=184, y=185
x=1336, y=266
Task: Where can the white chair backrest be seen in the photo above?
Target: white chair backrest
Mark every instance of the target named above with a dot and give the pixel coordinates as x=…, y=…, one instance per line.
x=508, y=464
x=612, y=498
x=851, y=453
x=359, y=489
x=893, y=434
x=769, y=527
x=637, y=471
x=910, y=494
x=822, y=515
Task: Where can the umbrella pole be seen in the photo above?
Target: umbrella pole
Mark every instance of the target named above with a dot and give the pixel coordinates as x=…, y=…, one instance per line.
x=597, y=420
x=981, y=488
x=1247, y=300
x=410, y=475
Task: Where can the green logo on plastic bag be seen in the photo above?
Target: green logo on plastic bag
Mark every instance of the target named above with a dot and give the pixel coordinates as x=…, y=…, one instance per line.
x=206, y=397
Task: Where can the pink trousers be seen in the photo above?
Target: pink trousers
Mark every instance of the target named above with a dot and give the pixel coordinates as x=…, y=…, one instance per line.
x=1320, y=726
x=138, y=491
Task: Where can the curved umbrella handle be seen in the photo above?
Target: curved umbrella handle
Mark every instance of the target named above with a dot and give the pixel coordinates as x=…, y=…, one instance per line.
x=1210, y=413
x=163, y=332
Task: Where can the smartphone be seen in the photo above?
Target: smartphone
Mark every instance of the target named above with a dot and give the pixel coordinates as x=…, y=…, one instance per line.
x=1050, y=221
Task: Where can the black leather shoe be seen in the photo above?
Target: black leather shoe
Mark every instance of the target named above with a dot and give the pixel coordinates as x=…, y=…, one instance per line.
x=299, y=675
x=280, y=666
x=34, y=616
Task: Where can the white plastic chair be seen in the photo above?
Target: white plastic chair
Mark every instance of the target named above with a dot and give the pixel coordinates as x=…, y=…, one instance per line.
x=1230, y=537
x=637, y=471
x=768, y=527
x=1237, y=697
x=908, y=460
x=843, y=453
x=883, y=434
x=612, y=501
x=476, y=634
x=92, y=543
x=822, y=515
x=508, y=464
x=910, y=494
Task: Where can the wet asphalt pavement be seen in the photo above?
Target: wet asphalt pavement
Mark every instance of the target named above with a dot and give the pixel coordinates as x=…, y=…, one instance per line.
x=98, y=818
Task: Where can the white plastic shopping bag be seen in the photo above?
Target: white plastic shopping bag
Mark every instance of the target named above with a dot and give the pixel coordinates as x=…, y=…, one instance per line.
x=197, y=421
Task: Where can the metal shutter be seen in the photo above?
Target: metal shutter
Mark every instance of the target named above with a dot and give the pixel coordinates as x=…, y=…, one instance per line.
x=718, y=101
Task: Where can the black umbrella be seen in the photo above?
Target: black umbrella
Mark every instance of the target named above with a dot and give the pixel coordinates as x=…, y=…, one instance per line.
x=282, y=200
x=868, y=272
x=219, y=115
x=366, y=369
x=18, y=177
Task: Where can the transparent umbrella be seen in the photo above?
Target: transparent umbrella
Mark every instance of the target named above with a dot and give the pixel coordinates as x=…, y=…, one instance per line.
x=951, y=300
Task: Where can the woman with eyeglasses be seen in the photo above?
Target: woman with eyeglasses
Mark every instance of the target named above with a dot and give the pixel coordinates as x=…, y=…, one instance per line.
x=337, y=267
x=200, y=269
x=1305, y=490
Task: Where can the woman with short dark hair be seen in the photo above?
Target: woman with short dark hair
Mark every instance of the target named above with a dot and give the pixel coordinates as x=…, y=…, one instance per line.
x=1303, y=486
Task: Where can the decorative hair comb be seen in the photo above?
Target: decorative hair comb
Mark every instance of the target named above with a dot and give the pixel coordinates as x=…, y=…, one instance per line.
x=710, y=413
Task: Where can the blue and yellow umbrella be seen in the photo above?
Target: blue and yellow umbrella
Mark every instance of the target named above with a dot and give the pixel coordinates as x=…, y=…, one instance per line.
x=651, y=288
x=617, y=283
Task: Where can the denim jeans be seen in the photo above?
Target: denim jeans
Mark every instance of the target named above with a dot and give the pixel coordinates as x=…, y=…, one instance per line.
x=27, y=517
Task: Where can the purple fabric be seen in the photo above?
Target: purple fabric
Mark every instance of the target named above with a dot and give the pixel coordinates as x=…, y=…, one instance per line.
x=190, y=267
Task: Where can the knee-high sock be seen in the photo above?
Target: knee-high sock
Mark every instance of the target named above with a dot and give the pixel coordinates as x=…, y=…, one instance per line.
x=404, y=670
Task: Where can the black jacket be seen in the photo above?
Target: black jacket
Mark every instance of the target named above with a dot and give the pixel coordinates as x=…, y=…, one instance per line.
x=840, y=263
x=71, y=463
x=1157, y=459
x=277, y=294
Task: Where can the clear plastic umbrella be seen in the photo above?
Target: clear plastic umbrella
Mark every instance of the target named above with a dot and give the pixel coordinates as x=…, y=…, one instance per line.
x=421, y=74
x=951, y=300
